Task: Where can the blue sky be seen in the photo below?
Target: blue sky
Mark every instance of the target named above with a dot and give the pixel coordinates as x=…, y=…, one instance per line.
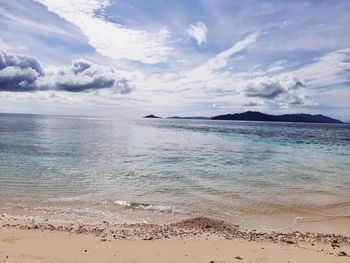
x=185, y=57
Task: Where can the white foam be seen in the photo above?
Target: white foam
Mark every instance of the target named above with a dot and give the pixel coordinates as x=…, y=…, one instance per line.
x=122, y=203
x=151, y=207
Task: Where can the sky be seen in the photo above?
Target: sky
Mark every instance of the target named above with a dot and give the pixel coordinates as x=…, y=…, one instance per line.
x=184, y=58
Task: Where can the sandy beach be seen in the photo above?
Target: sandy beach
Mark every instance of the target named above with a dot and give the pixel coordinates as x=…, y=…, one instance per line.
x=192, y=240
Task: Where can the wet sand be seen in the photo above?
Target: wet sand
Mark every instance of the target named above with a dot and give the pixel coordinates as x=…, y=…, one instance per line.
x=193, y=240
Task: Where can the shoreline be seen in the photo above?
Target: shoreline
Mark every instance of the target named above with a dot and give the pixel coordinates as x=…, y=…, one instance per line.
x=199, y=231
x=334, y=222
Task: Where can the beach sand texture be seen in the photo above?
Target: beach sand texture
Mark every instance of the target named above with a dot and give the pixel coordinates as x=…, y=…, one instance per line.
x=193, y=240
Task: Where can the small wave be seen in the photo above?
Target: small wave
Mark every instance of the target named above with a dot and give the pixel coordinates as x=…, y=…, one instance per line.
x=64, y=199
x=336, y=205
x=322, y=218
x=296, y=221
x=122, y=203
x=143, y=206
x=305, y=219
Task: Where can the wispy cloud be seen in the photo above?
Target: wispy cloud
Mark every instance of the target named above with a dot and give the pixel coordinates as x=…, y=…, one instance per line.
x=220, y=60
x=4, y=46
x=38, y=27
x=276, y=66
x=251, y=104
x=213, y=79
x=198, y=31
x=330, y=69
x=111, y=39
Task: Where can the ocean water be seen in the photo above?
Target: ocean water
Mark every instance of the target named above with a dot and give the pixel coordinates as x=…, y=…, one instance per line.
x=147, y=170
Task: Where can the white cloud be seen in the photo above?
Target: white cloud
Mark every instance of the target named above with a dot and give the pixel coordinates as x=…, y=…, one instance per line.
x=284, y=89
x=83, y=75
x=251, y=104
x=198, y=31
x=202, y=81
x=275, y=69
x=18, y=73
x=4, y=46
x=37, y=26
x=110, y=39
x=213, y=80
x=218, y=62
x=47, y=96
x=277, y=66
x=330, y=69
x=269, y=88
x=25, y=74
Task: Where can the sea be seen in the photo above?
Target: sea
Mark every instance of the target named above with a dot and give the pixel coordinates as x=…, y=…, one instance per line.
x=262, y=175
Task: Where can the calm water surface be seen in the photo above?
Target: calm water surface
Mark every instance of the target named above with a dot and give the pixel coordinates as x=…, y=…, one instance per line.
x=143, y=170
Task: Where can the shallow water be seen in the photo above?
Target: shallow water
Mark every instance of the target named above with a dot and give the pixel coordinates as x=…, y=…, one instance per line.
x=160, y=170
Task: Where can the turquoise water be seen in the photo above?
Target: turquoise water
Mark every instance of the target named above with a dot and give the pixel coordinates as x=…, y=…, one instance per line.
x=140, y=170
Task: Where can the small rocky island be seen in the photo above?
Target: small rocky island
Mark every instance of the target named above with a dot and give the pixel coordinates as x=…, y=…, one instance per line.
x=151, y=116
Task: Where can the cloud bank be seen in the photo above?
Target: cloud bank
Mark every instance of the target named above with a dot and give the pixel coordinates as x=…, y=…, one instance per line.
x=25, y=74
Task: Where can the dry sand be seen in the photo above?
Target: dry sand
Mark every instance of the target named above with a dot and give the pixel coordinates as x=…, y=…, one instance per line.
x=193, y=240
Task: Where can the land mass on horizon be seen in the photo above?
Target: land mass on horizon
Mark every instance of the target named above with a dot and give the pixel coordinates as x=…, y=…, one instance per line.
x=151, y=116
x=258, y=116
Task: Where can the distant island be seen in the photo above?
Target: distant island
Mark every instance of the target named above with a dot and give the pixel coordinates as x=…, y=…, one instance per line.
x=190, y=118
x=258, y=116
x=152, y=117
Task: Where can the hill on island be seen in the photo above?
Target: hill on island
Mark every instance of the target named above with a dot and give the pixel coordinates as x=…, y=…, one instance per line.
x=151, y=116
x=258, y=116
